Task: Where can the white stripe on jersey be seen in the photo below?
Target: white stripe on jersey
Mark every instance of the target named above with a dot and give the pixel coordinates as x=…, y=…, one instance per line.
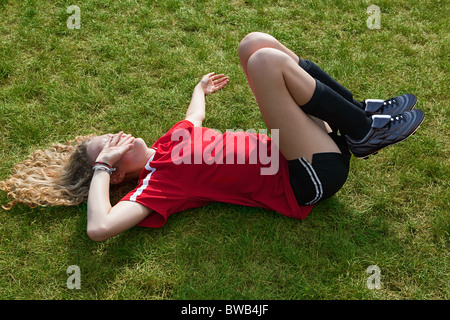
x=146, y=180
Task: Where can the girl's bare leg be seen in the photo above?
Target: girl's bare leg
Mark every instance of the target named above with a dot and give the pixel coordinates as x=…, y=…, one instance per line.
x=258, y=40
x=280, y=86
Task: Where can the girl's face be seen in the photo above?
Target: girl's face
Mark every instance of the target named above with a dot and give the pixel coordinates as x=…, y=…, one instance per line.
x=131, y=163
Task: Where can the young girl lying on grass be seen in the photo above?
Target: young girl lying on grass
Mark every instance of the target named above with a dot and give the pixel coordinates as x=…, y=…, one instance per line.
x=315, y=122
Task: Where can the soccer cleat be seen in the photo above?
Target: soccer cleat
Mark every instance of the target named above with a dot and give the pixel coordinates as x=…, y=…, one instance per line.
x=386, y=130
x=392, y=107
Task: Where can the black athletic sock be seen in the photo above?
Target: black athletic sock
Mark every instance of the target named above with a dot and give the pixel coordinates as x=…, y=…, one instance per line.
x=328, y=105
x=316, y=72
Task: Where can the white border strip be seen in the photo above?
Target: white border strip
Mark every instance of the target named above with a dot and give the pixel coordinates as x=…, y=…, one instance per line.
x=146, y=180
x=314, y=178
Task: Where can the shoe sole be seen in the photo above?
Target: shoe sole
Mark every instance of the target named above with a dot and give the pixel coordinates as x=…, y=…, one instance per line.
x=375, y=152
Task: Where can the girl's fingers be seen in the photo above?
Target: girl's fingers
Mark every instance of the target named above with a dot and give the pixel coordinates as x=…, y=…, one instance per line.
x=119, y=139
x=208, y=76
x=219, y=84
x=124, y=138
x=114, y=139
x=217, y=76
x=221, y=78
x=222, y=81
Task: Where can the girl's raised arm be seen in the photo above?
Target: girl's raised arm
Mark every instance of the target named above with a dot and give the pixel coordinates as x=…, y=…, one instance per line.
x=210, y=83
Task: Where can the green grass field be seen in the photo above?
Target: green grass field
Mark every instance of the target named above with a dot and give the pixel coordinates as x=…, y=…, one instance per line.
x=132, y=66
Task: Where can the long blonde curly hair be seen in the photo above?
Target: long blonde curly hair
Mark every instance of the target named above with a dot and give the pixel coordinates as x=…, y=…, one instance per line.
x=60, y=175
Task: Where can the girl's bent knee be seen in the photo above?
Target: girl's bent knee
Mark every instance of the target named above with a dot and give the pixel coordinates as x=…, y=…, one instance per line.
x=253, y=42
x=266, y=58
x=255, y=36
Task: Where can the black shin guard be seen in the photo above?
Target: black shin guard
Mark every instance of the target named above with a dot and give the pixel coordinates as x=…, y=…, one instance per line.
x=328, y=105
x=316, y=72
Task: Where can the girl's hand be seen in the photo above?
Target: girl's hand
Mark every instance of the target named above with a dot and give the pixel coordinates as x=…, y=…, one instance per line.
x=210, y=83
x=115, y=148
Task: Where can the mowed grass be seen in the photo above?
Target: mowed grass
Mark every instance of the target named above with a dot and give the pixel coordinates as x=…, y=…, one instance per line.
x=132, y=67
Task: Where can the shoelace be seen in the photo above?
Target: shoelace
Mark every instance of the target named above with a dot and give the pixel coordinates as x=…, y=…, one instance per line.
x=389, y=103
x=397, y=119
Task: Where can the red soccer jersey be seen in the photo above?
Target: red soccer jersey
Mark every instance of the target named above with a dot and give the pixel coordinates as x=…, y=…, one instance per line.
x=194, y=166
